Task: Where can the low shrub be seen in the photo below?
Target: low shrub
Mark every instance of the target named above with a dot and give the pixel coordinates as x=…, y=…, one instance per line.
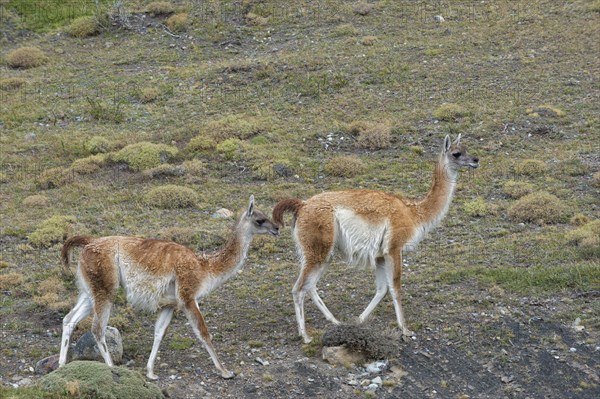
x=157, y=8
x=449, y=112
x=148, y=94
x=517, y=189
x=145, y=155
x=345, y=166
x=540, y=207
x=370, y=135
x=53, y=178
x=84, y=26
x=531, y=167
x=26, y=57
x=587, y=239
x=164, y=170
x=178, y=22
x=477, y=208
x=201, y=143
x=171, y=196
x=38, y=201
x=52, y=230
x=11, y=280
x=98, y=145
x=89, y=165
x=230, y=148
x=368, y=40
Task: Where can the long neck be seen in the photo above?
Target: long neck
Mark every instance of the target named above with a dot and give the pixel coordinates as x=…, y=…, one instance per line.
x=231, y=257
x=432, y=209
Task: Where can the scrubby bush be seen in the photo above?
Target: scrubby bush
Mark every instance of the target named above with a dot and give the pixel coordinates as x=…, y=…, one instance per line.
x=89, y=165
x=368, y=40
x=531, y=167
x=256, y=20
x=98, y=144
x=171, y=196
x=477, y=208
x=573, y=167
x=180, y=235
x=596, y=179
x=449, y=112
x=52, y=230
x=587, y=239
x=164, y=170
x=53, y=178
x=234, y=126
x=517, y=189
x=84, y=26
x=201, y=143
x=160, y=8
x=11, y=280
x=545, y=110
x=7, y=84
x=36, y=201
x=344, y=166
x=579, y=219
x=26, y=57
x=51, y=294
x=177, y=22
x=370, y=135
x=89, y=379
x=540, y=207
x=148, y=94
x=193, y=167
x=230, y=148
x=145, y=155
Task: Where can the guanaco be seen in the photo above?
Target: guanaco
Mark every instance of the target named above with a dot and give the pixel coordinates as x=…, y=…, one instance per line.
x=158, y=276
x=368, y=228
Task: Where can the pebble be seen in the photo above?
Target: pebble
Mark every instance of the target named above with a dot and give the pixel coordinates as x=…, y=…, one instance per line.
x=572, y=350
x=377, y=367
x=222, y=213
x=372, y=387
x=25, y=382
x=377, y=381
x=261, y=361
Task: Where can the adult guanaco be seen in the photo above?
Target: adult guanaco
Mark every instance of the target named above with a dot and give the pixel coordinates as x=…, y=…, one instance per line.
x=157, y=276
x=370, y=229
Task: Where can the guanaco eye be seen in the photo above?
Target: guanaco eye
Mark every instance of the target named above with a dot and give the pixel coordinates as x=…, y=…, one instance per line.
x=260, y=222
x=456, y=154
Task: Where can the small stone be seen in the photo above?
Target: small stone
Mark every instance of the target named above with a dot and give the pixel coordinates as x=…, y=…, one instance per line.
x=261, y=361
x=572, y=350
x=377, y=367
x=364, y=383
x=353, y=383
x=47, y=364
x=439, y=19
x=87, y=349
x=24, y=382
x=30, y=136
x=340, y=355
x=372, y=387
x=130, y=363
x=377, y=380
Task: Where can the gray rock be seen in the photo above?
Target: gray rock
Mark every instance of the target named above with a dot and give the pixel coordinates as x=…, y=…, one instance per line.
x=222, y=213
x=47, y=365
x=86, y=348
x=377, y=367
x=25, y=382
x=377, y=381
x=340, y=355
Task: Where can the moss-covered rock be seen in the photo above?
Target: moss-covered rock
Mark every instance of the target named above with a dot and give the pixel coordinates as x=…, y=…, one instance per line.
x=86, y=379
x=171, y=196
x=52, y=230
x=540, y=207
x=145, y=155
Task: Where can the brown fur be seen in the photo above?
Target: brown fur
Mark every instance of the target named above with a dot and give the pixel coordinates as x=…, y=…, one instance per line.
x=157, y=274
x=353, y=220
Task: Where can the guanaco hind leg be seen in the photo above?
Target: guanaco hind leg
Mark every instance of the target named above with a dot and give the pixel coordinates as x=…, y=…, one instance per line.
x=381, y=290
x=393, y=271
x=79, y=312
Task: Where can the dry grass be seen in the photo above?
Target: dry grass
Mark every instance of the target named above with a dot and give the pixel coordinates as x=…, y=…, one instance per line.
x=368, y=40
x=171, y=196
x=370, y=135
x=517, y=189
x=52, y=230
x=178, y=23
x=158, y=8
x=99, y=144
x=54, y=178
x=37, y=200
x=477, y=208
x=545, y=110
x=345, y=166
x=180, y=235
x=26, y=57
x=587, y=239
x=449, y=112
x=11, y=280
x=8, y=84
x=84, y=27
x=540, y=207
x=148, y=94
x=531, y=167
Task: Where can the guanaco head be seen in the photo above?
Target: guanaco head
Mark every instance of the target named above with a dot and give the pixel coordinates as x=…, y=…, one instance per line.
x=258, y=222
x=456, y=155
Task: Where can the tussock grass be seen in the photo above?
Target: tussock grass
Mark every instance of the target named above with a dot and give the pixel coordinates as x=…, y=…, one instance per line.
x=178, y=23
x=540, y=207
x=148, y=94
x=145, y=155
x=171, y=196
x=8, y=84
x=11, y=280
x=54, y=177
x=84, y=26
x=369, y=134
x=158, y=8
x=52, y=230
x=89, y=165
x=36, y=200
x=345, y=166
x=477, y=208
x=99, y=144
x=449, y=112
x=517, y=189
x=26, y=57
x=587, y=239
x=531, y=167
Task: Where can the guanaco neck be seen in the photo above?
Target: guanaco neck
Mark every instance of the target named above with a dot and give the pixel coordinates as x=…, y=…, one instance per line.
x=231, y=257
x=432, y=209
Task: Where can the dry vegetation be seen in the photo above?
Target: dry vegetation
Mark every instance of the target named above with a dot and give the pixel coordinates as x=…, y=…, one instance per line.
x=166, y=112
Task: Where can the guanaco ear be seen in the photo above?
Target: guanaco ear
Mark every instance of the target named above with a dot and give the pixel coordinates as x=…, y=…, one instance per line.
x=250, y=206
x=447, y=143
x=457, y=141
